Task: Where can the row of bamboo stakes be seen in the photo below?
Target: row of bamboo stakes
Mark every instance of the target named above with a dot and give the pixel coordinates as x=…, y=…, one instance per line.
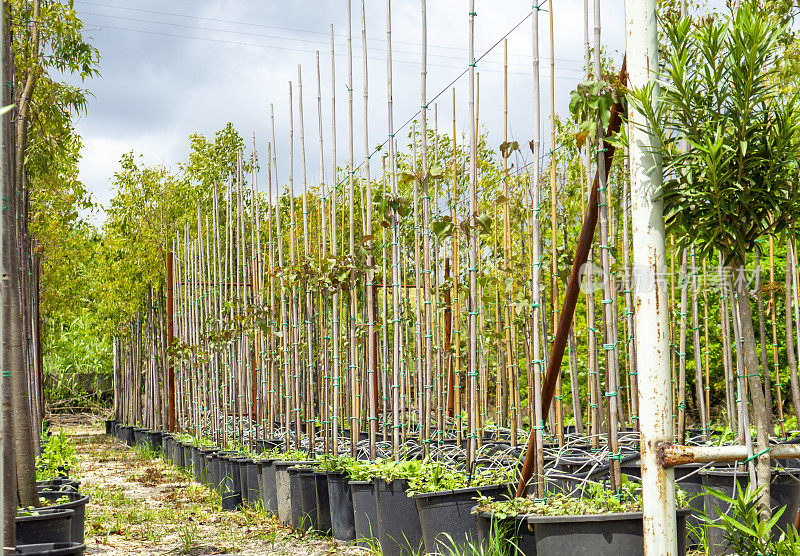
x=361, y=318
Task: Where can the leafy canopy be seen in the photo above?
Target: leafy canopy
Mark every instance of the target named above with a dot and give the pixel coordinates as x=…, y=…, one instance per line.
x=734, y=179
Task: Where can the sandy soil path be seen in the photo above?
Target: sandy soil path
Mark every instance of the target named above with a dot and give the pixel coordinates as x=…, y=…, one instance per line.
x=141, y=505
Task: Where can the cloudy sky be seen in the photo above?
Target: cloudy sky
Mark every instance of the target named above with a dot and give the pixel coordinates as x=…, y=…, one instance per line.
x=174, y=68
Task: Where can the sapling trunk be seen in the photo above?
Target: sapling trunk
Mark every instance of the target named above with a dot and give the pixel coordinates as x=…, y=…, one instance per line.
x=750, y=365
x=762, y=332
x=790, y=353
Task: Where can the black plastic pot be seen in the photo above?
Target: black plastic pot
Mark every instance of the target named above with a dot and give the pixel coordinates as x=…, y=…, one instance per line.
x=231, y=501
x=51, y=549
x=204, y=462
x=110, y=426
x=365, y=512
x=269, y=494
x=189, y=451
x=140, y=436
x=580, y=535
x=308, y=500
x=45, y=525
x=241, y=464
x=125, y=434
x=504, y=533
x=218, y=470
x=77, y=503
x=59, y=483
x=231, y=481
x=264, y=444
x=784, y=490
x=446, y=516
x=208, y=464
x=298, y=519
x=283, y=489
x=154, y=438
x=323, y=524
x=340, y=500
x=166, y=446
x=399, y=530
x=177, y=453
x=252, y=493
x=595, y=535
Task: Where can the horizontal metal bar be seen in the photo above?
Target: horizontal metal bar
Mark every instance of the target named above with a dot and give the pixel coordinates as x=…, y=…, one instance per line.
x=670, y=455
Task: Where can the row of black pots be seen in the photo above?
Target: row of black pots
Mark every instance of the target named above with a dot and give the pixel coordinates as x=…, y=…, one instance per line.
x=378, y=511
x=368, y=512
x=134, y=436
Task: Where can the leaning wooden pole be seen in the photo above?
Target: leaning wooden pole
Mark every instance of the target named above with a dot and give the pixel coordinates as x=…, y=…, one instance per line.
x=571, y=293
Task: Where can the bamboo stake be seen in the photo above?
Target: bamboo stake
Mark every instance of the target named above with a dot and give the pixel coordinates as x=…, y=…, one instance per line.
x=682, y=353
x=395, y=247
x=633, y=381
x=774, y=321
x=455, y=379
x=353, y=355
x=610, y=345
x=473, y=247
x=699, y=393
x=558, y=422
x=309, y=303
x=334, y=253
x=427, y=368
x=536, y=266
x=369, y=292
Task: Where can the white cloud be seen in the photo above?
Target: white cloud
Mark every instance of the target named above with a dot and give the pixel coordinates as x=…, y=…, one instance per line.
x=158, y=85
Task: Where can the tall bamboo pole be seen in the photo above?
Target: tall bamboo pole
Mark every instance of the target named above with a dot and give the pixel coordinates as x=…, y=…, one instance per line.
x=353, y=349
x=472, y=373
x=699, y=392
x=628, y=287
x=427, y=368
x=369, y=292
x=774, y=322
x=682, y=352
x=610, y=345
x=309, y=302
x=335, y=331
x=536, y=268
x=558, y=423
x=395, y=247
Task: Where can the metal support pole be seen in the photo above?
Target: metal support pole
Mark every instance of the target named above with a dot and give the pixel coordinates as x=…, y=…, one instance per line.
x=650, y=290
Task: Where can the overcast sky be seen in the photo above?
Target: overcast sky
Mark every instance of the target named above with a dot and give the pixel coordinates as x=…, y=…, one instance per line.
x=169, y=69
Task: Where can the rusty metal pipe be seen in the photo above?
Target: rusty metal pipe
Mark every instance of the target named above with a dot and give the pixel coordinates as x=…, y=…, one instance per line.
x=670, y=455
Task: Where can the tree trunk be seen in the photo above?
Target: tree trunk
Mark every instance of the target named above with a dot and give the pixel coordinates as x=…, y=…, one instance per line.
x=762, y=331
x=750, y=360
x=790, y=355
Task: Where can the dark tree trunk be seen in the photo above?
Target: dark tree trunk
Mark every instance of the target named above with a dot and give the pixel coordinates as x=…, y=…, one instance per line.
x=756, y=388
x=790, y=355
x=762, y=331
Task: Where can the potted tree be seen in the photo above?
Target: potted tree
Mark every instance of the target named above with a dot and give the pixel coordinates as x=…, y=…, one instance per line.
x=445, y=497
x=600, y=522
x=728, y=137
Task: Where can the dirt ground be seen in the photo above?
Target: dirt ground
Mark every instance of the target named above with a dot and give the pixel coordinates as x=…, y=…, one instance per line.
x=141, y=505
